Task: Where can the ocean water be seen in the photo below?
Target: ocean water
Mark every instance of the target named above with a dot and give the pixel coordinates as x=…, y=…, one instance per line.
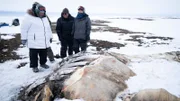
x=8, y=16
x=19, y=14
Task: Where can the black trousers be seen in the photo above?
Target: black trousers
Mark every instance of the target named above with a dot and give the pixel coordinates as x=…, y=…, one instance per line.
x=66, y=44
x=33, y=53
x=79, y=43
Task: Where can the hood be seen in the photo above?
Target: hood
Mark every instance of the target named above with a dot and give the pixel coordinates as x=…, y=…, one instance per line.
x=30, y=12
x=69, y=17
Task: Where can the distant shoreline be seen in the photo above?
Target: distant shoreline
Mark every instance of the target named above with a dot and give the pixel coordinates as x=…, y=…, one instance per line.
x=21, y=13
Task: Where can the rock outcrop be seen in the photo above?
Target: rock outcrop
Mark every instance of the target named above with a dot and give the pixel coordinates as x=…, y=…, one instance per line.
x=154, y=95
x=99, y=81
x=91, y=76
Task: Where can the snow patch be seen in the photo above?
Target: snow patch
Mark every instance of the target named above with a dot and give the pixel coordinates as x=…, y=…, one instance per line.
x=7, y=37
x=157, y=73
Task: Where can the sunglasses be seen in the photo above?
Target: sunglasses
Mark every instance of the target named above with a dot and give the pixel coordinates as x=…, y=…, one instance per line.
x=42, y=9
x=65, y=13
x=42, y=12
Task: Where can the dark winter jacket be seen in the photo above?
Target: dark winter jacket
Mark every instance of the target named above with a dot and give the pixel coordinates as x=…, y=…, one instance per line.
x=64, y=27
x=82, y=28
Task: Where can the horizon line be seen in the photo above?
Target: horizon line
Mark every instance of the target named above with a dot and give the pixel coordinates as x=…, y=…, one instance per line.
x=120, y=14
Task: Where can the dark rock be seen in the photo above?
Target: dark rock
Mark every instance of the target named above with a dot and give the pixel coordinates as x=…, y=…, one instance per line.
x=159, y=37
x=22, y=64
x=99, y=44
x=8, y=46
x=145, y=19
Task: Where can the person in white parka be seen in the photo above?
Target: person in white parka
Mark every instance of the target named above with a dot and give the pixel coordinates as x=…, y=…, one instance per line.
x=36, y=34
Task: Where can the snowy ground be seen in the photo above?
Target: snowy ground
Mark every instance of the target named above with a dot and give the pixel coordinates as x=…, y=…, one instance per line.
x=152, y=72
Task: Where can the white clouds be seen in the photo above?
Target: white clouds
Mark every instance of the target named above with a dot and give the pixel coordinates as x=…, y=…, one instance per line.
x=156, y=7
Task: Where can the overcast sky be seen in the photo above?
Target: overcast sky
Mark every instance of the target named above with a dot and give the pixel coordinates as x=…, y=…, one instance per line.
x=151, y=7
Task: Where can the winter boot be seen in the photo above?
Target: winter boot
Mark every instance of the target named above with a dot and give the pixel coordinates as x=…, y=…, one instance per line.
x=35, y=70
x=57, y=56
x=45, y=66
x=52, y=61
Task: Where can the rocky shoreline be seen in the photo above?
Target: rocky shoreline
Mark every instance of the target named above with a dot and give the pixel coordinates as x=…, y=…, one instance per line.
x=142, y=39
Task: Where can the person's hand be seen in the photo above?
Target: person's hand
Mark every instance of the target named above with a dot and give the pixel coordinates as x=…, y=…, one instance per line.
x=51, y=40
x=23, y=42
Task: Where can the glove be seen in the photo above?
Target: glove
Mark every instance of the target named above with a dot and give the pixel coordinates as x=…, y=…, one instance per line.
x=24, y=42
x=51, y=40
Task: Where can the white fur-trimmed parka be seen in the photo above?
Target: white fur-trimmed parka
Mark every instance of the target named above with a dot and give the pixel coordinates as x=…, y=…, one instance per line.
x=36, y=31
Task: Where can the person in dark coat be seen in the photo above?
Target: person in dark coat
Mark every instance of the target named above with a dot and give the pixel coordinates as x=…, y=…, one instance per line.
x=81, y=30
x=64, y=30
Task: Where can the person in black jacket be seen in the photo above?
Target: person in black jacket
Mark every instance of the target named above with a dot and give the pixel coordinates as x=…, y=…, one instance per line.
x=81, y=30
x=64, y=30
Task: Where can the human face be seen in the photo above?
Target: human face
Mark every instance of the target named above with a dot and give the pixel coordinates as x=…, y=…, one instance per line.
x=80, y=11
x=41, y=14
x=41, y=11
x=65, y=15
